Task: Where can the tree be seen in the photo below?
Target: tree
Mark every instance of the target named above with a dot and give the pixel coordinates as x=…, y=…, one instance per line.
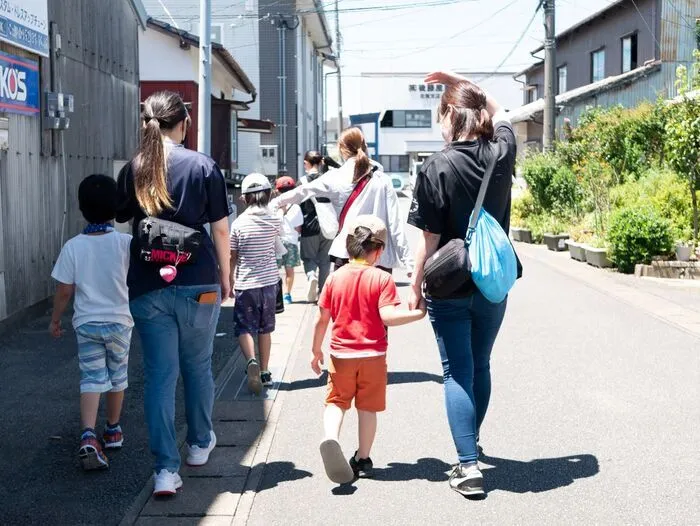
x=683, y=133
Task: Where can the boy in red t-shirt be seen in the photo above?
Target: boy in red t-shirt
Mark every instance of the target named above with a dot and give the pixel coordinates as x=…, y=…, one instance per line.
x=361, y=299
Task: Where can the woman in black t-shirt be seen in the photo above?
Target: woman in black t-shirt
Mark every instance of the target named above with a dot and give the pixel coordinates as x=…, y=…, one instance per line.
x=465, y=324
x=176, y=309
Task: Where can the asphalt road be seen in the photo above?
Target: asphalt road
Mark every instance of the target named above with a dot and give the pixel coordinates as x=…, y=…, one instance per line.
x=41, y=481
x=593, y=420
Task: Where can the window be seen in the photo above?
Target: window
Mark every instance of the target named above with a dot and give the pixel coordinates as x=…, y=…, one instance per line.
x=697, y=33
x=531, y=94
x=561, y=79
x=407, y=119
x=394, y=163
x=598, y=65
x=629, y=53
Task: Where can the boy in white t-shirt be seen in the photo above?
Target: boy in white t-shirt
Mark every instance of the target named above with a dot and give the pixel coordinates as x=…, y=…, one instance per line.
x=292, y=221
x=94, y=265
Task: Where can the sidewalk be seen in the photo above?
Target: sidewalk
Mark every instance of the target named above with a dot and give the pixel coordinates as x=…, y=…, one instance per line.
x=244, y=425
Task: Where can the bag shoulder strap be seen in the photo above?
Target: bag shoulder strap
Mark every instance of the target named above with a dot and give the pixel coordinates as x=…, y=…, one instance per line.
x=359, y=186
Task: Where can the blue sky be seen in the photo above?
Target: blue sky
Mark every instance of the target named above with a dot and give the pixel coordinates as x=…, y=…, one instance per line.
x=466, y=35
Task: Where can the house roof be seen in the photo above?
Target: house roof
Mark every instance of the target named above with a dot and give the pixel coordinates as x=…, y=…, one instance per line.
x=587, y=20
x=529, y=111
x=217, y=49
x=529, y=69
x=140, y=11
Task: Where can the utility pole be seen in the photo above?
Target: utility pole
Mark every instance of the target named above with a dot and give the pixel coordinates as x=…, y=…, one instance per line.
x=337, y=62
x=550, y=49
x=204, y=100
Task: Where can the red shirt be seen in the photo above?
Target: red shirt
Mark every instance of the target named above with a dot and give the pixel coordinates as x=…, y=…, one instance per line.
x=354, y=294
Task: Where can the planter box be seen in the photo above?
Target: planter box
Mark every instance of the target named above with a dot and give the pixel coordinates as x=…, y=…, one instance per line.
x=556, y=242
x=521, y=234
x=598, y=257
x=577, y=251
x=669, y=270
x=683, y=253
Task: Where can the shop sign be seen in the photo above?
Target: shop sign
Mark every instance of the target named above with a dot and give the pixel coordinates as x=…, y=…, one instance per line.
x=25, y=24
x=19, y=85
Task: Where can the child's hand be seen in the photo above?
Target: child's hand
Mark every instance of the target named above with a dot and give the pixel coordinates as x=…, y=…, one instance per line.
x=422, y=306
x=55, y=329
x=317, y=362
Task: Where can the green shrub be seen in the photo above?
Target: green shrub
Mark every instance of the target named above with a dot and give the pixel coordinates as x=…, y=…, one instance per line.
x=666, y=192
x=521, y=208
x=553, y=185
x=635, y=235
x=541, y=224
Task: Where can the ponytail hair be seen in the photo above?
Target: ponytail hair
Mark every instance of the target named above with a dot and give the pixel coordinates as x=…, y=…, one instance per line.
x=352, y=144
x=162, y=111
x=465, y=105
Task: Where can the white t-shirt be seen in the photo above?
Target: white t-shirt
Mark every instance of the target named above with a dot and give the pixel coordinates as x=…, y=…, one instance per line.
x=97, y=265
x=293, y=219
x=253, y=235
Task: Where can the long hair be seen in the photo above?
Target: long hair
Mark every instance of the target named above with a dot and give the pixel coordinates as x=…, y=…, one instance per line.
x=352, y=144
x=162, y=111
x=465, y=105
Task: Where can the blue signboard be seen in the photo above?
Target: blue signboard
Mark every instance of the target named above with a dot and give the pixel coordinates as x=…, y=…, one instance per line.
x=19, y=85
x=25, y=23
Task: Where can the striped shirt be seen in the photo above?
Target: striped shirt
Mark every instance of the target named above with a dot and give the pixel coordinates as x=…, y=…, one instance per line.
x=253, y=236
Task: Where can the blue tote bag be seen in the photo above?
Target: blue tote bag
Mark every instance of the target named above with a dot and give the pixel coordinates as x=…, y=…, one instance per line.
x=494, y=265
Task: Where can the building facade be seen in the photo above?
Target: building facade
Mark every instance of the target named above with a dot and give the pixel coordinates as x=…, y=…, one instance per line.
x=625, y=54
x=75, y=112
x=399, y=114
x=290, y=91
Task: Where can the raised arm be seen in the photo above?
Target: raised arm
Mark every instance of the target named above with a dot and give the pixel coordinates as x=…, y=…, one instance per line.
x=324, y=186
x=448, y=78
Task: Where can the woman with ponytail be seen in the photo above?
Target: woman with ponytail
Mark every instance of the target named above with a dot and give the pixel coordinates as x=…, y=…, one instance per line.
x=175, y=307
x=465, y=323
x=361, y=185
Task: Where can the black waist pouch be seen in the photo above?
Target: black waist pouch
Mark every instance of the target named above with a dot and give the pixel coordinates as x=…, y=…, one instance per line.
x=448, y=270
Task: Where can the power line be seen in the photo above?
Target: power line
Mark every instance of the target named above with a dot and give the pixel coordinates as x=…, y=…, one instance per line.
x=461, y=32
x=646, y=24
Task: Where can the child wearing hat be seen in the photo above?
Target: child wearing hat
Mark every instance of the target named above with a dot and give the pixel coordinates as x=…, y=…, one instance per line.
x=362, y=301
x=254, y=277
x=292, y=221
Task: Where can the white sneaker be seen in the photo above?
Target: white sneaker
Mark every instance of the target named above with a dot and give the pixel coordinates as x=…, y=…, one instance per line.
x=198, y=456
x=312, y=287
x=468, y=480
x=166, y=483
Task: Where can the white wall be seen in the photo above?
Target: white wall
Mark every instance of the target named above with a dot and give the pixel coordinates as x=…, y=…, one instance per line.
x=161, y=59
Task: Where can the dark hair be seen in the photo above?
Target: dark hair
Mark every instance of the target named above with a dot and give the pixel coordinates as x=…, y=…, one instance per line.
x=314, y=158
x=261, y=198
x=163, y=110
x=465, y=103
x=360, y=243
x=352, y=144
x=97, y=198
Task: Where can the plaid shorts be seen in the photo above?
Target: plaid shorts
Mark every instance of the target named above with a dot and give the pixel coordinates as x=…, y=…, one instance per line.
x=103, y=356
x=291, y=258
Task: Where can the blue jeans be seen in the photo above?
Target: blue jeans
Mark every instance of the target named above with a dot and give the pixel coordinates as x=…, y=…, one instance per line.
x=177, y=335
x=466, y=329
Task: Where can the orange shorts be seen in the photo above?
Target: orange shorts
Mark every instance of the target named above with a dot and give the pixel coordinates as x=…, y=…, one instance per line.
x=363, y=379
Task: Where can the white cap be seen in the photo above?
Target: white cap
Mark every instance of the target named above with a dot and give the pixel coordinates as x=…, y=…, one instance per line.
x=255, y=182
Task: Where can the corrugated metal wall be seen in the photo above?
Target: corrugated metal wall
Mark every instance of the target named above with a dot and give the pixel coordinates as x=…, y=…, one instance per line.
x=98, y=65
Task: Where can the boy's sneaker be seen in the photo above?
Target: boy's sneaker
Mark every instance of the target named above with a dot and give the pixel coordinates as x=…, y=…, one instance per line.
x=198, y=456
x=113, y=437
x=362, y=467
x=266, y=378
x=467, y=480
x=166, y=483
x=312, y=287
x=90, y=453
x=288, y=298
x=254, y=382
x=337, y=468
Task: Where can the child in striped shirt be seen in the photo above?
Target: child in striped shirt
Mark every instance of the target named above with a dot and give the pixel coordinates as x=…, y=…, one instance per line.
x=254, y=277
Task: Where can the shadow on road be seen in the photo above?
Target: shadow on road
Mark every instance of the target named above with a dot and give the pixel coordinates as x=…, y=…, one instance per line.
x=430, y=469
x=279, y=472
x=539, y=475
x=395, y=378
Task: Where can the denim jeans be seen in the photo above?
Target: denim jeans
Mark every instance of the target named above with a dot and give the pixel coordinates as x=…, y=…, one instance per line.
x=177, y=335
x=466, y=329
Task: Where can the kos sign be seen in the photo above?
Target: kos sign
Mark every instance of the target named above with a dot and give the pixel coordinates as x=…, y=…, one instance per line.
x=19, y=85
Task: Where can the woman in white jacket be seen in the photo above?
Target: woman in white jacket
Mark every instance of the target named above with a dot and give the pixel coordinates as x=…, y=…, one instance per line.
x=377, y=198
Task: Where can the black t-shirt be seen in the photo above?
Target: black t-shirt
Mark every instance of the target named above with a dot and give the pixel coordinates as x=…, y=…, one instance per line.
x=198, y=190
x=448, y=184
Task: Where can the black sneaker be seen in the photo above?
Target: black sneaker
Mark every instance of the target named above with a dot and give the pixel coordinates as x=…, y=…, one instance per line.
x=362, y=468
x=266, y=378
x=467, y=480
